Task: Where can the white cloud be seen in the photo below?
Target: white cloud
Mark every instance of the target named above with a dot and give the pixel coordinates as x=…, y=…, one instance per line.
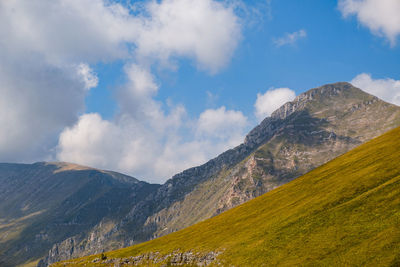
x=290, y=38
x=67, y=31
x=386, y=89
x=43, y=74
x=96, y=138
x=205, y=30
x=271, y=100
x=141, y=82
x=147, y=140
x=380, y=16
x=138, y=147
x=220, y=122
x=97, y=30
x=45, y=69
x=89, y=77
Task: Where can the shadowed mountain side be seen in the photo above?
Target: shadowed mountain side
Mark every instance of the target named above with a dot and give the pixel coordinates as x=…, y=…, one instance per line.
x=316, y=127
x=45, y=203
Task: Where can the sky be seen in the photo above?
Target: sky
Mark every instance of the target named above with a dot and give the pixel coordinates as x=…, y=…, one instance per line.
x=150, y=88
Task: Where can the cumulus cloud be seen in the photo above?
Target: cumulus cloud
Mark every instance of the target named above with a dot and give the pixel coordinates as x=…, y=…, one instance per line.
x=96, y=138
x=290, y=38
x=146, y=139
x=271, y=100
x=380, y=16
x=97, y=30
x=136, y=147
x=43, y=77
x=188, y=28
x=45, y=73
x=386, y=89
x=131, y=146
x=220, y=122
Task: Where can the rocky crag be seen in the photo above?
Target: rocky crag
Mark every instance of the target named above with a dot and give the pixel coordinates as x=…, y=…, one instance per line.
x=316, y=127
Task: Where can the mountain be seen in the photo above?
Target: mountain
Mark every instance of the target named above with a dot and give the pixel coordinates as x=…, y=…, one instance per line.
x=344, y=213
x=45, y=203
x=316, y=127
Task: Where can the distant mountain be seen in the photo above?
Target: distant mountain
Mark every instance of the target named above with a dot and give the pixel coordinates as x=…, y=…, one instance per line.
x=316, y=127
x=45, y=203
x=344, y=213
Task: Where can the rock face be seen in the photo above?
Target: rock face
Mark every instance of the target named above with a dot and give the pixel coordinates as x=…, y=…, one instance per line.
x=45, y=203
x=316, y=127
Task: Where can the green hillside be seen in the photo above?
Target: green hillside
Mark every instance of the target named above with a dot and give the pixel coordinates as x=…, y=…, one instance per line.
x=344, y=213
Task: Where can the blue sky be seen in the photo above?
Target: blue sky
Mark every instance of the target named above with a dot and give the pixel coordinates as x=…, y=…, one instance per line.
x=150, y=88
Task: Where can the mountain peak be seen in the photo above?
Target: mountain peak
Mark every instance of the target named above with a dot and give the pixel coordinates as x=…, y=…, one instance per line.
x=67, y=166
x=323, y=96
x=333, y=102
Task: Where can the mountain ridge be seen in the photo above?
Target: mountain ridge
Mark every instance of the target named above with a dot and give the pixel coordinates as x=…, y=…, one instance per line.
x=343, y=213
x=303, y=134
x=317, y=126
x=41, y=205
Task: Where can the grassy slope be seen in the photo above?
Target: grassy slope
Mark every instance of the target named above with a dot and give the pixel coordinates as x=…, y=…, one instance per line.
x=346, y=212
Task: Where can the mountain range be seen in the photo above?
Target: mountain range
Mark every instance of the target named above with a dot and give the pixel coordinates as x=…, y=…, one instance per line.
x=60, y=211
x=343, y=213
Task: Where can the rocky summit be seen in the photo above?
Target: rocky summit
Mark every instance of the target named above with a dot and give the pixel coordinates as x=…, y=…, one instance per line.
x=59, y=211
x=316, y=127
